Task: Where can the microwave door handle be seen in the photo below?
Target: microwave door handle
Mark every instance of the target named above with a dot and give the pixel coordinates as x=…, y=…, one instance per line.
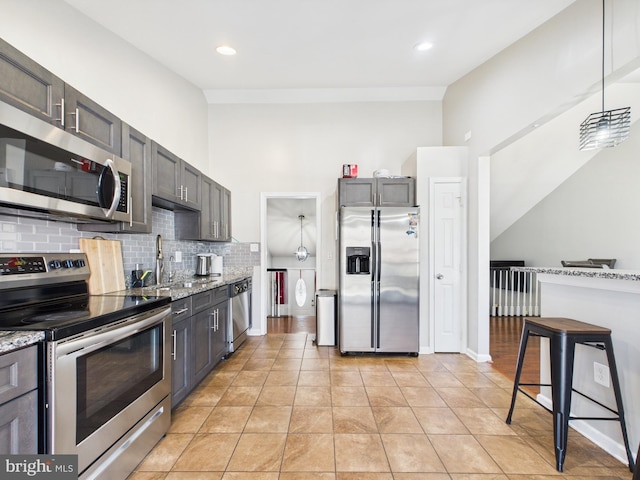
x=116, y=191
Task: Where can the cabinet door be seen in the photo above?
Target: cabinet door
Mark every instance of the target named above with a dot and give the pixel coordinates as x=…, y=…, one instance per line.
x=225, y=215
x=166, y=173
x=136, y=148
x=356, y=192
x=19, y=425
x=201, y=345
x=180, y=371
x=18, y=373
x=396, y=192
x=220, y=344
x=86, y=119
x=190, y=184
x=216, y=214
x=30, y=87
x=206, y=210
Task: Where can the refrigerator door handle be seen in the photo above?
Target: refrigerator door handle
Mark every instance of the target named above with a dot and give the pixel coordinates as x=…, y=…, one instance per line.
x=373, y=315
x=378, y=315
x=374, y=268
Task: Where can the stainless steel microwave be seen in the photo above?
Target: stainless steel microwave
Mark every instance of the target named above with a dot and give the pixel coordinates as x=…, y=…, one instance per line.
x=45, y=170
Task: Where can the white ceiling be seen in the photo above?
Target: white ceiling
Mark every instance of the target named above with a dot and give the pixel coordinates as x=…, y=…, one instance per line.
x=360, y=48
x=283, y=226
x=320, y=44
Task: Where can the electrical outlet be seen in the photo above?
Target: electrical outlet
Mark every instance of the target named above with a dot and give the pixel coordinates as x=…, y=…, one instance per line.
x=178, y=257
x=601, y=374
x=254, y=247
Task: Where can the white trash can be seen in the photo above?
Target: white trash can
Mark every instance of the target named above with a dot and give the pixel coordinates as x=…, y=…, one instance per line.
x=326, y=317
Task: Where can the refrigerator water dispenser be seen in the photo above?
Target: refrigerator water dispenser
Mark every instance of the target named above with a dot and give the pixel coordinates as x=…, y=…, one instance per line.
x=358, y=260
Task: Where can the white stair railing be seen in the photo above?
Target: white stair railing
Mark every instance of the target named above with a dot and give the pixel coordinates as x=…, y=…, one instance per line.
x=514, y=294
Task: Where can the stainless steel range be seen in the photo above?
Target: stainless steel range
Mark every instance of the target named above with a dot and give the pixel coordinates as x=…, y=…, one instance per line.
x=107, y=378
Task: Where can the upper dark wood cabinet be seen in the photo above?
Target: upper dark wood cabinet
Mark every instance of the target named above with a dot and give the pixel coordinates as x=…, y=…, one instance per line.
x=175, y=182
x=221, y=213
x=32, y=88
x=213, y=222
x=86, y=119
x=29, y=86
x=377, y=192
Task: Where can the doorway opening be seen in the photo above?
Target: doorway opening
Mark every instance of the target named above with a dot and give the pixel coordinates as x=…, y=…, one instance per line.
x=289, y=222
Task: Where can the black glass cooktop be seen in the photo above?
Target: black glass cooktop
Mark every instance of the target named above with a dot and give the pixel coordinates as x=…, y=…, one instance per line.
x=71, y=315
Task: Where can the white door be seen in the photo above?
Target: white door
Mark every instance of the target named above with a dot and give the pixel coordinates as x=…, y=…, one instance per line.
x=448, y=295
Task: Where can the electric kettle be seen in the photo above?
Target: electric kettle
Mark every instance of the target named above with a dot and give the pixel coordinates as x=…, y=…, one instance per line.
x=202, y=267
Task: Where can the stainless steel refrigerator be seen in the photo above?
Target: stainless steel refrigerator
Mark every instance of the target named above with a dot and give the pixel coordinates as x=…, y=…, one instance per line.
x=379, y=280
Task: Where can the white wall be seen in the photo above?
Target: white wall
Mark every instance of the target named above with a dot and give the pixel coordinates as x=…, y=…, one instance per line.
x=533, y=80
x=143, y=93
x=301, y=147
x=594, y=214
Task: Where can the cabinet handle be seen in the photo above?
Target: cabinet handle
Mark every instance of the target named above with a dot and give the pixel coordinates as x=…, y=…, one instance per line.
x=173, y=337
x=181, y=311
x=181, y=192
x=77, y=117
x=61, y=119
x=186, y=194
x=380, y=199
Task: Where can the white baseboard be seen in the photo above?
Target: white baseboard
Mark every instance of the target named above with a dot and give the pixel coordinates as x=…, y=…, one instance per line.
x=480, y=358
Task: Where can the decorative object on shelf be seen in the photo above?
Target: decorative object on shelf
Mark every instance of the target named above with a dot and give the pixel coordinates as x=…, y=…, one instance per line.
x=605, y=128
x=301, y=253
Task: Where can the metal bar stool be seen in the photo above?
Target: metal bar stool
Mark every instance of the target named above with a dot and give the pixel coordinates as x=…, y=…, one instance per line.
x=563, y=335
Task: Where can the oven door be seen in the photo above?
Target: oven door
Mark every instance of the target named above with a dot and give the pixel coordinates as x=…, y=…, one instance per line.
x=101, y=384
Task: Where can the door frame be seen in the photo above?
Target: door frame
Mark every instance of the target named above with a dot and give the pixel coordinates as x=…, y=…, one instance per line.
x=462, y=181
x=261, y=329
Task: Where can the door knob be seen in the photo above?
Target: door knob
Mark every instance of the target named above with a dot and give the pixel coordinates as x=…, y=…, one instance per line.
x=439, y=276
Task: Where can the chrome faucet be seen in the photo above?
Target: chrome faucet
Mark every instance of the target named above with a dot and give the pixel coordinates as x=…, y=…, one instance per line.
x=159, y=260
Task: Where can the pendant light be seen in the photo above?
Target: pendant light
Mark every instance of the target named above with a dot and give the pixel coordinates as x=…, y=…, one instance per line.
x=605, y=128
x=301, y=253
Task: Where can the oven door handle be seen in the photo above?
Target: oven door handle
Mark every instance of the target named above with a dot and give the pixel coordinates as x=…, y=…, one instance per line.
x=119, y=331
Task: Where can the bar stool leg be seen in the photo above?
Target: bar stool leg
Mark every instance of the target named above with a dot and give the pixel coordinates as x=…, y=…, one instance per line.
x=562, y=354
x=618, y=394
x=516, y=381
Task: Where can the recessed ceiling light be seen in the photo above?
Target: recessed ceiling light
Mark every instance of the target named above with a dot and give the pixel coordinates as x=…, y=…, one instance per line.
x=423, y=46
x=226, y=50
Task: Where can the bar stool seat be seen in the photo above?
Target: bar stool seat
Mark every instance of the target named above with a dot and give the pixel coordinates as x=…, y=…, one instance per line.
x=563, y=335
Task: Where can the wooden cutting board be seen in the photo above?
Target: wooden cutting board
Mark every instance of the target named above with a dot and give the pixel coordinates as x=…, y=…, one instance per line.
x=105, y=263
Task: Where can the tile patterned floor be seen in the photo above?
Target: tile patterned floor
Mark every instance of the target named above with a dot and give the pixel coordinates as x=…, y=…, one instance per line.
x=282, y=408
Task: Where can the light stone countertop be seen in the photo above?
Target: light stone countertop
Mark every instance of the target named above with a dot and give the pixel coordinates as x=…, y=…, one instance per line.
x=186, y=287
x=10, y=341
x=611, y=274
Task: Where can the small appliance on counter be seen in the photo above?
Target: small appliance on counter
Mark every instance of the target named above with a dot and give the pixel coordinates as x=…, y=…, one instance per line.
x=209, y=264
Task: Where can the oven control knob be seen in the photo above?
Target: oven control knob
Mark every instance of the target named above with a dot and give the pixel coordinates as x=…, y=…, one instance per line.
x=67, y=264
x=54, y=264
x=78, y=263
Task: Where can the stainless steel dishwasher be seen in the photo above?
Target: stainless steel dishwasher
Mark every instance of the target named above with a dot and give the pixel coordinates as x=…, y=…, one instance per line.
x=240, y=314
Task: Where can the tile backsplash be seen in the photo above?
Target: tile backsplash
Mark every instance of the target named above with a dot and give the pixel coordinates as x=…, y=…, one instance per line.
x=26, y=235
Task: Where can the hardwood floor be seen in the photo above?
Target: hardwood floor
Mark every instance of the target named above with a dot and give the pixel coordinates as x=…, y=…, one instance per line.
x=504, y=338
x=292, y=324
